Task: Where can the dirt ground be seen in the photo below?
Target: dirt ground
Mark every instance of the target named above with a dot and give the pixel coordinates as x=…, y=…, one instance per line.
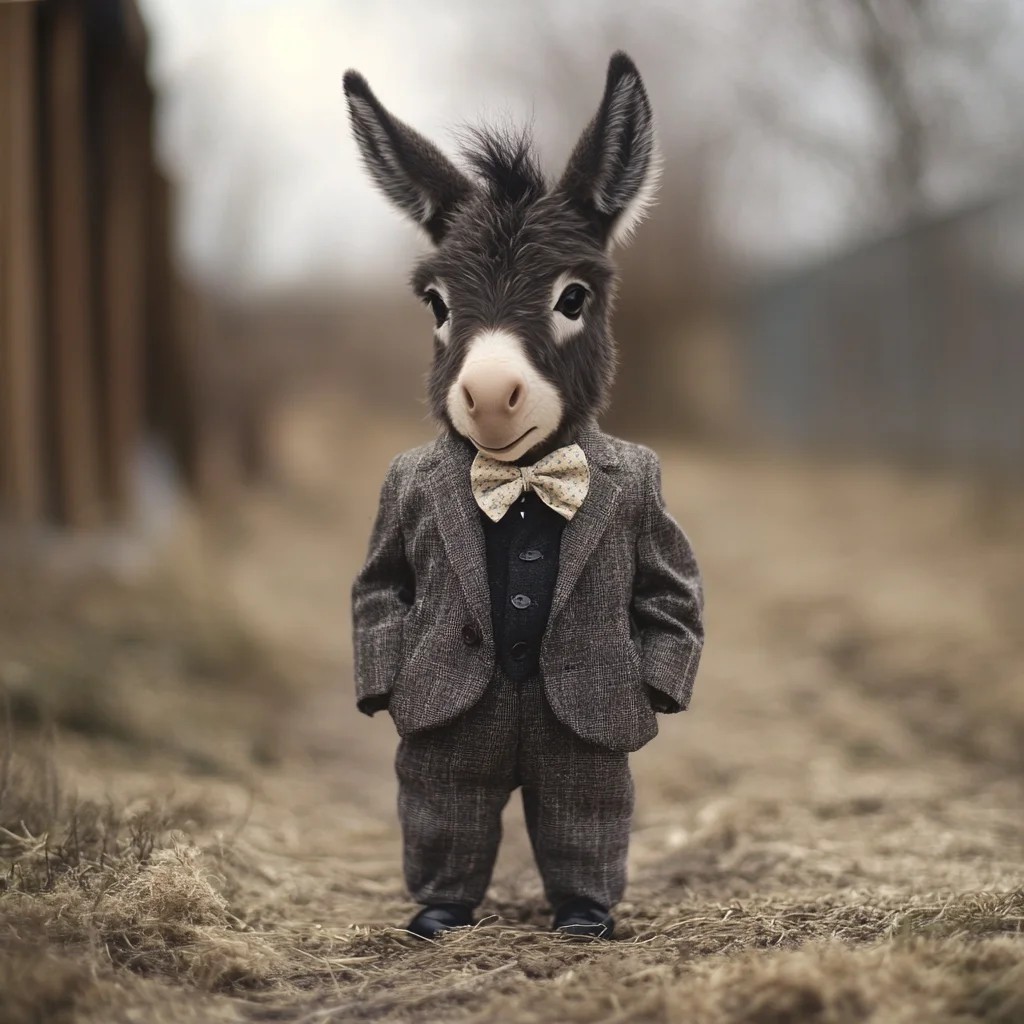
x=832, y=833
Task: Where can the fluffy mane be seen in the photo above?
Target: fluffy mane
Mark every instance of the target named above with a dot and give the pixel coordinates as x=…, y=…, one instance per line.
x=504, y=161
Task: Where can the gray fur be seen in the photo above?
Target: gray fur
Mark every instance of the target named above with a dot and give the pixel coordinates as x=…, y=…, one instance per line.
x=412, y=172
x=504, y=235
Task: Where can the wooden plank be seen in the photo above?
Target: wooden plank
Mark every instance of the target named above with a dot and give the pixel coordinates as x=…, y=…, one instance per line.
x=172, y=392
x=8, y=78
x=71, y=300
x=21, y=487
x=125, y=130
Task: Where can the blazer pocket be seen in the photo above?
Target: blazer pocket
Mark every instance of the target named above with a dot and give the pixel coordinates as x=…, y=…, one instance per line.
x=623, y=665
x=636, y=658
x=409, y=631
x=633, y=656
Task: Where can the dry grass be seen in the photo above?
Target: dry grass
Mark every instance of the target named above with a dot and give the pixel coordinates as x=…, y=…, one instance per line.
x=119, y=882
x=101, y=656
x=195, y=826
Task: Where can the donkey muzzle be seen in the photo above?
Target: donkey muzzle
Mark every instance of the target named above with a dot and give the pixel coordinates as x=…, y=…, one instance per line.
x=494, y=396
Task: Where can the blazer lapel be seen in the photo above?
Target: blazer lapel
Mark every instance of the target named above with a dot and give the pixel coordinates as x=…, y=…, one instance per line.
x=458, y=522
x=584, y=531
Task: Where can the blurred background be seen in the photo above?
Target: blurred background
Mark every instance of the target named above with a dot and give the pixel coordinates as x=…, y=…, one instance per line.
x=209, y=354
x=836, y=263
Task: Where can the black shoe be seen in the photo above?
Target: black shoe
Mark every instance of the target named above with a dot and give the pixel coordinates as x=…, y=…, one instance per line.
x=584, y=919
x=433, y=921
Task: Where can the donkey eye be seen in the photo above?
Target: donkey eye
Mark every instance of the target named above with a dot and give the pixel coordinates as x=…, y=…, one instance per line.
x=437, y=306
x=570, y=302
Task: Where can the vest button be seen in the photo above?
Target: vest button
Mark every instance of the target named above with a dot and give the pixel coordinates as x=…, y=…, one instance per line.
x=530, y=555
x=521, y=601
x=471, y=635
x=518, y=650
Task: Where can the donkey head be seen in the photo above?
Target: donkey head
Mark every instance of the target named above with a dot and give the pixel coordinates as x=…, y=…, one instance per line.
x=519, y=281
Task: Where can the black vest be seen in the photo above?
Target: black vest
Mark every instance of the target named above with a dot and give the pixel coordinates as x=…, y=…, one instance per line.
x=522, y=567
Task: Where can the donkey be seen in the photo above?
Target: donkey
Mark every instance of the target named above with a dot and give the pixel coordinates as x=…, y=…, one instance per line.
x=527, y=603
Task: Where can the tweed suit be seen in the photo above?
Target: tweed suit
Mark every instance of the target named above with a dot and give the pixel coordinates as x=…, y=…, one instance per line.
x=624, y=622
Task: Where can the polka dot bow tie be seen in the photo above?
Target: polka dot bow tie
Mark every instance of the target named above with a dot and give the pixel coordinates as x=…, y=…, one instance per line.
x=561, y=480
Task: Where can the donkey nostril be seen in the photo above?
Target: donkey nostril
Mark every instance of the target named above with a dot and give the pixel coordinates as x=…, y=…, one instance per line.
x=513, y=399
x=468, y=396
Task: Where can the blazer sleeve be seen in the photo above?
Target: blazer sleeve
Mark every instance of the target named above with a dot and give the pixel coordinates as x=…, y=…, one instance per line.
x=382, y=594
x=667, y=601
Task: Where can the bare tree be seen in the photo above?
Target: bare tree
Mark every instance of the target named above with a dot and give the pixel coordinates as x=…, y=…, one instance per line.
x=917, y=61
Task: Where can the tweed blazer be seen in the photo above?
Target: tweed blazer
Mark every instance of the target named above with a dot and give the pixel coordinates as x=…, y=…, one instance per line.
x=626, y=612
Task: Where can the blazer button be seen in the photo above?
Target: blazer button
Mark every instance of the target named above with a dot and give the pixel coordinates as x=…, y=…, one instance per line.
x=518, y=650
x=530, y=555
x=521, y=601
x=471, y=635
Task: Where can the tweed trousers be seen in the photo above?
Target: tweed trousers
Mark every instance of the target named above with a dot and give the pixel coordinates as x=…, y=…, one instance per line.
x=455, y=780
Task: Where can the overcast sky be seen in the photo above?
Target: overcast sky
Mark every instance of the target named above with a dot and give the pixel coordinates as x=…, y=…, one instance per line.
x=253, y=122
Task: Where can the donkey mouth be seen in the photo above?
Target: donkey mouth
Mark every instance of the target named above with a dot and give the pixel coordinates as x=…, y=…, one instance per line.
x=507, y=447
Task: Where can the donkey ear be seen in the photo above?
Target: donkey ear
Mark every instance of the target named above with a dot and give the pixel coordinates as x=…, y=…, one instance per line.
x=613, y=171
x=412, y=172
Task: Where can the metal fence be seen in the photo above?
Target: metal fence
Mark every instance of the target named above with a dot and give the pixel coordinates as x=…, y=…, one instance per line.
x=912, y=346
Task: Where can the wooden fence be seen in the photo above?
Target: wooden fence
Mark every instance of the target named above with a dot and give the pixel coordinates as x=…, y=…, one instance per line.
x=95, y=347
x=911, y=347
